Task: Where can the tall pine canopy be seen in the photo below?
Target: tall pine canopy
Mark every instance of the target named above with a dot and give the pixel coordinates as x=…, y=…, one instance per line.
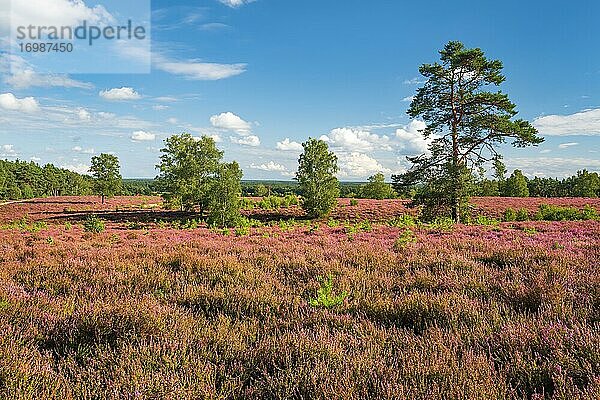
x=467, y=119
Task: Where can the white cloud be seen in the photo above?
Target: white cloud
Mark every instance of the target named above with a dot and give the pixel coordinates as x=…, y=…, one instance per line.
x=351, y=139
x=142, y=136
x=8, y=101
x=271, y=166
x=408, y=99
x=79, y=168
x=228, y=121
x=194, y=70
x=188, y=69
x=57, y=13
x=567, y=145
x=20, y=74
x=288, y=145
x=231, y=122
x=7, y=151
x=120, y=94
x=29, y=78
x=84, y=115
x=545, y=151
x=168, y=99
x=173, y=121
x=235, y=3
x=160, y=107
x=79, y=149
x=586, y=123
x=414, y=81
x=359, y=165
x=411, y=137
x=552, y=166
x=251, y=140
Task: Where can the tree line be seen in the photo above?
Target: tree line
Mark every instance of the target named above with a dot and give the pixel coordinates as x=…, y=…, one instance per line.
x=466, y=122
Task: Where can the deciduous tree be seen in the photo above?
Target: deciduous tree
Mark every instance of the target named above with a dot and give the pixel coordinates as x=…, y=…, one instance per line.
x=107, y=177
x=316, y=175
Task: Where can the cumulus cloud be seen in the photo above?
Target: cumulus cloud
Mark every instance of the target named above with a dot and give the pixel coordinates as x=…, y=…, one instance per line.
x=251, y=140
x=231, y=122
x=288, y=145
x=411, y=137
x=58, y=13
x=352, y=139
x=8, y=151
x=586, y=123
x=228, y=121
x=120, y=94
x=142, y=136
x=360, y=165
x=271, y=166
x=8, y=101
x=83, y=114
x=78, y=168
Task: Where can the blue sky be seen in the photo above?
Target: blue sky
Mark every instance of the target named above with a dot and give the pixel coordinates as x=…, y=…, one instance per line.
x=263, y=76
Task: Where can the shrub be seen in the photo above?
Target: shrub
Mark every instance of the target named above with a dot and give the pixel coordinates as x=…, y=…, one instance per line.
x=510, y=215
x=486, y=221
x=548, y=212
x=325, y=297
x=406, y=237
x=522, y=215
x=93, y=224
x=403, y=221
x=353, y=202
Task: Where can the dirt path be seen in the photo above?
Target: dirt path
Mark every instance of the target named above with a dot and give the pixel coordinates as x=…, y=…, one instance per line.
x=12, y=202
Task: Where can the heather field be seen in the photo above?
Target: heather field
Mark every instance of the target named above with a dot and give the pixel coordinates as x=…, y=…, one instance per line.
x=158, y=307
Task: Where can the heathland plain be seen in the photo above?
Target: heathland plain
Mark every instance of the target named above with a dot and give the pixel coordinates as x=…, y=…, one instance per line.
x=130, y=300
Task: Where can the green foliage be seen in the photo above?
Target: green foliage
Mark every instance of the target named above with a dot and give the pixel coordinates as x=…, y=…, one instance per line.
x=107, y=178
x=510, y=215
x=25, y=225
x=377, y=188
x=261, y=191
x=353, y=202
x=438, y=197
x=464, y=121
x=406, y=238
x=548, y=212
x=224, y=196
x=442, y=224
x=93, y=224
x=325, y=296
x=522, y=215
x=26, y=180
x=187, y=168
x=317, y=167
x=403, y=221
x=486, y=221
x=516, y=185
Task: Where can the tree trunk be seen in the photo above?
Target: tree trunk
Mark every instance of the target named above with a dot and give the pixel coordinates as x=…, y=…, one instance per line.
x=102, y=199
